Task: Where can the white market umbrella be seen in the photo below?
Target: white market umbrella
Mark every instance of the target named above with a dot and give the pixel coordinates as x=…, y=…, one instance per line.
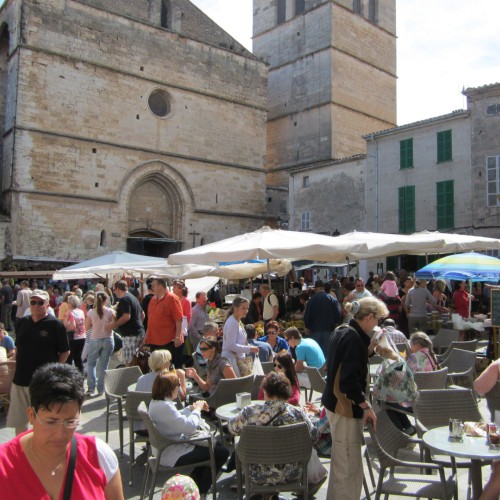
x=267, y=243
x=459, y=242
x=111, y=263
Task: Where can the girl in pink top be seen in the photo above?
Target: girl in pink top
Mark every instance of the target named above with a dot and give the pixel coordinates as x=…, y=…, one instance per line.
x=389, y=287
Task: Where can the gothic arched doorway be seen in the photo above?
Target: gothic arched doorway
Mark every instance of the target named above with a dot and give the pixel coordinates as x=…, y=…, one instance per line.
x=155, y=210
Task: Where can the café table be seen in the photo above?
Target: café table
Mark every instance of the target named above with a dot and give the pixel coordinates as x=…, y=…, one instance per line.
x=230, y=410
x=474, y=448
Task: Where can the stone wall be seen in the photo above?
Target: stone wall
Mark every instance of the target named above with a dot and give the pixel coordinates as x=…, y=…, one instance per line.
x=88, y=147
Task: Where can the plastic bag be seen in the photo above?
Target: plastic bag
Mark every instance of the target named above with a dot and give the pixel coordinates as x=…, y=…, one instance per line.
x=257, y=366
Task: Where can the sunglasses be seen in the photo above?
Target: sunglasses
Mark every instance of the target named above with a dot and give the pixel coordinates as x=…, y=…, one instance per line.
x=272, y=332
x=205, y=349
x=37, y=302
x=276, y=365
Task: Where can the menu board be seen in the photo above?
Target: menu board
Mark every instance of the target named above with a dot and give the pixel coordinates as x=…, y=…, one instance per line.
x=495, y=307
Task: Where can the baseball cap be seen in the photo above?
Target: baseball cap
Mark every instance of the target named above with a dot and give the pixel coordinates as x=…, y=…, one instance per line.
x=42, y=294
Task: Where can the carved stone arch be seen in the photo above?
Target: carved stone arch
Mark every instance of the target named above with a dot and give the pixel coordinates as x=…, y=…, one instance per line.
x=156, y=199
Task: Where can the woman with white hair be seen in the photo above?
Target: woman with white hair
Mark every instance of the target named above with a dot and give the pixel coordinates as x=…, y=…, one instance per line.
x=74, y=322
x=158, y=361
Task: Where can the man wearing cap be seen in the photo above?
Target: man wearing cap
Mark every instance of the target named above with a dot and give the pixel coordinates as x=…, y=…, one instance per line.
x=40, y=339
x=321, y=316
x=128, y=322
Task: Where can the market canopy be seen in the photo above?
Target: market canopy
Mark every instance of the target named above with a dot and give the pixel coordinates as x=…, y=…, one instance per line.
x=267, y=243
x=458, y=242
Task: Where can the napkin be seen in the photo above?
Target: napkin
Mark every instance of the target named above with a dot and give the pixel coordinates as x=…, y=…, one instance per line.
x=475, y=429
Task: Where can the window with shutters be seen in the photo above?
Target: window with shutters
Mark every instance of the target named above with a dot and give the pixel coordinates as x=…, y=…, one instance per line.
x=373, y=11
x=444, y=146
x=493, y=180
x=406, y=211
x=300, y=6
x=356, y=6
x=406, y=154
x=281, y=15
x=305, y=224
x=445, y=205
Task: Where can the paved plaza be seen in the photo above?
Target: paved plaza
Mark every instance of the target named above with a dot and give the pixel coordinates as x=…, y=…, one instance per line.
x=93, y=422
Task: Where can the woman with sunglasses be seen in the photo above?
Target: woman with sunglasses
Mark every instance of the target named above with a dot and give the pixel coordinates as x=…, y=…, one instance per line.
x=235, y=345
x=218, y=367
x=175, y=424
x=35, y=464
x=283, y=363
x=276, y=342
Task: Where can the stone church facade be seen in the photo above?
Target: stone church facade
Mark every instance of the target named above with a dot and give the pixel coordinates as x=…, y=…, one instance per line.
x=134, y=125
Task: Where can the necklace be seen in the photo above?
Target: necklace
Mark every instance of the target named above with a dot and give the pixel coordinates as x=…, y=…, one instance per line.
x=54, y=470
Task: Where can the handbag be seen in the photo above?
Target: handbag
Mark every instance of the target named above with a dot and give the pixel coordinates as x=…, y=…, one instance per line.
x=203, y=430
x=118, y=341
x=141, y=358
x=245, y=365
x=395, y=382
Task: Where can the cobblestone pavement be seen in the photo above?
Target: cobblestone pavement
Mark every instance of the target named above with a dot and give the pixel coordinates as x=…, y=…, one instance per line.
x=94, y=411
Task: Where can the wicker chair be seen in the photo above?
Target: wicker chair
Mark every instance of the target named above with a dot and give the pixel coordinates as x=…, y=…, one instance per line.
x=257, y=382
x=273, y=445
x=461, y=367
x=7, y=369
x=387, y=442
x=431, y=380
x=227, y=389
x=132, y=401
x=116, y=383
x=160, y=443
x=318, y=383
x=444, y=338
x=267, y=366
x=493, y=400
x=469, y=345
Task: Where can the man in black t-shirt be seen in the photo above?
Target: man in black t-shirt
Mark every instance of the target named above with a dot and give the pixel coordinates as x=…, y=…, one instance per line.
x=40, y=339
x=129, y=318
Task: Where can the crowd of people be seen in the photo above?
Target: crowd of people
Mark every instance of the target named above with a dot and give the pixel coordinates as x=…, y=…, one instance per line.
x=56, y=333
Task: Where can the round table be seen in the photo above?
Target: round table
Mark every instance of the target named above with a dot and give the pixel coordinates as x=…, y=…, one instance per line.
x=230, y=410
x=474, y=448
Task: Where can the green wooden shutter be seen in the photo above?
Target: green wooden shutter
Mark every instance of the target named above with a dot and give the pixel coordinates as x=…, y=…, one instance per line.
x=444, y=146
x=406, y=153
x=407, y=214
x=445, y=205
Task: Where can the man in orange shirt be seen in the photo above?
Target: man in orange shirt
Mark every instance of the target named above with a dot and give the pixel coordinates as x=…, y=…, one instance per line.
x=165, y=322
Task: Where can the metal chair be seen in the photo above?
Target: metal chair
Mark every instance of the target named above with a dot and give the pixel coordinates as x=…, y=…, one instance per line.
x=132, y=401
x=468, y=345
x=116, y=383
x=431, y=380
x=493, y=400
x=444, y=338
x=388, y=440
x=270, y=445
x=7, y=369
x=461, y=367
x=160, y=443
x=318, y=383
x=267, y=366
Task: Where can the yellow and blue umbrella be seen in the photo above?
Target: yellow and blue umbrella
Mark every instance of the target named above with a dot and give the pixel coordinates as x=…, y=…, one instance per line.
x=463, y=266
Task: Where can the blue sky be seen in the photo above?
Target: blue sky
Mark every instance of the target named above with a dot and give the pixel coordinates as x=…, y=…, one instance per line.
x=443, y=46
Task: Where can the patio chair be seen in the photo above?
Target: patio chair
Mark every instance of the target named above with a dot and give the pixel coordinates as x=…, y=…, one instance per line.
x=116, y=383
x=435, y=407
x=431, y=380
x=388, y=440
x=7, y=369
x=269, y=445
x=160, y=443
x=444, y=338
x=132, y=401
x=493, y=400
x=267, y=366
x=227, y=389
x=318, y=383
x=257, y=381
x=461, y=367
x=468, y=345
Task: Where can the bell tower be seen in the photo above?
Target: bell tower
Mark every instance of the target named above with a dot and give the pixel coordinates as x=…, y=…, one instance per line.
x=332, y=77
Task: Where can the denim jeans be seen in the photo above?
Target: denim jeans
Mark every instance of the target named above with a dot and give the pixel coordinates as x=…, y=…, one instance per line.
x=99, y=350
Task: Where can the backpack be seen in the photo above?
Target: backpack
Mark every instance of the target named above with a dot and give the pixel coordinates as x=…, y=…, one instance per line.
x=281, y=305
